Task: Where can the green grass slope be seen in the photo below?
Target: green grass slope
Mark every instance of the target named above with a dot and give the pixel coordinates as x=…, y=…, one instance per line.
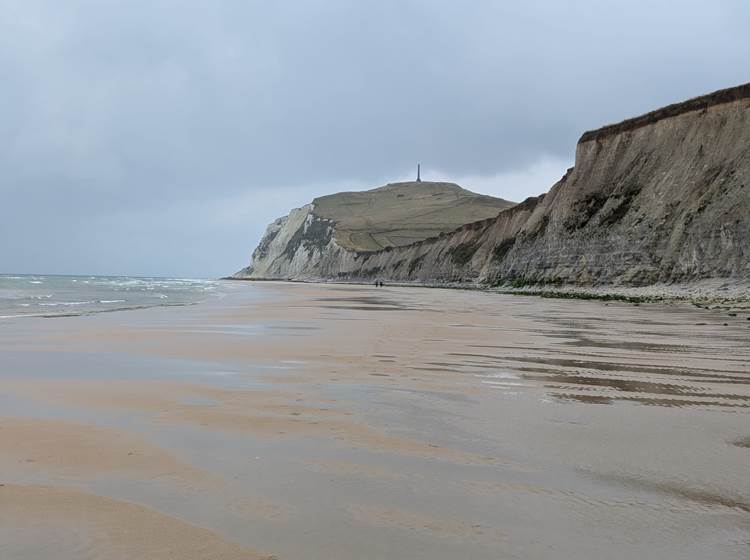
x=402, y=213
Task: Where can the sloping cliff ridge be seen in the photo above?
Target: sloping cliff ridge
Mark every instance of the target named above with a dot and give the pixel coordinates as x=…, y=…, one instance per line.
x=661, y=198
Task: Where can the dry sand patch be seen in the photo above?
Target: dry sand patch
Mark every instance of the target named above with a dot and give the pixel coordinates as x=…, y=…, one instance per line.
x=75, y=449
x=78, y=524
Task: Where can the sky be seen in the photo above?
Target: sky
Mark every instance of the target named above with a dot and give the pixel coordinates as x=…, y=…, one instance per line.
x=160, y=137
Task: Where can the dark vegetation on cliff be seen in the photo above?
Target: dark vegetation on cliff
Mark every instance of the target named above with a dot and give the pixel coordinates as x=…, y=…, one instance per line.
x=701, y=103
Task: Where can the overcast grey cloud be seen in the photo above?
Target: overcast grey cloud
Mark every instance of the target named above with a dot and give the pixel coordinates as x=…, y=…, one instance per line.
x=160, y=137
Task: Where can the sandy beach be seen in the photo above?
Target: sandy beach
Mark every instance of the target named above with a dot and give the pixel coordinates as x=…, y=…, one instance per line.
x=311, y=421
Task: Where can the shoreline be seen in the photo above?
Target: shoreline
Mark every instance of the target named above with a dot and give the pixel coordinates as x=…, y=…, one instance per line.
x=710, y=294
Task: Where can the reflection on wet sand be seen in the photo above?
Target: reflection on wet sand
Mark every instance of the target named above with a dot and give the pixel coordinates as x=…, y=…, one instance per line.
x=614, y=381
x=405, y=520
x=702, y=497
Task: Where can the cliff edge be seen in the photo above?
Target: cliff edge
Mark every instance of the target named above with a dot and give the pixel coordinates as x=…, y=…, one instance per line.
x=661, y=198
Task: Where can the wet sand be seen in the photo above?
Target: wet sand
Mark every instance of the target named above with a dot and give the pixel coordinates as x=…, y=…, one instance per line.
x=339, y=422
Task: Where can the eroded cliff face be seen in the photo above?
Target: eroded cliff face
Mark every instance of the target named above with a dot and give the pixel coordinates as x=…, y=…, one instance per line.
x=664, y=197
x=294, y=246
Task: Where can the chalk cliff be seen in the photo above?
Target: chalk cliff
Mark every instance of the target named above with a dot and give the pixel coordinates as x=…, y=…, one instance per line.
x=664, y=197
x=312, y=241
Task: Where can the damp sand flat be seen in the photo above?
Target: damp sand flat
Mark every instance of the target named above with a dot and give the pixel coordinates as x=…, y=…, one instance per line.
x=338, y=422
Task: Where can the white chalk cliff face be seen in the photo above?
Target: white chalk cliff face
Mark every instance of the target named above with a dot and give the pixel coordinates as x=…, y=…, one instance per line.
x=291, y=246
x=664, y=197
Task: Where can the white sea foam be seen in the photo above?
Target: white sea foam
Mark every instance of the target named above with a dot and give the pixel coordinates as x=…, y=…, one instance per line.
x=55, y=296
x=56, y=303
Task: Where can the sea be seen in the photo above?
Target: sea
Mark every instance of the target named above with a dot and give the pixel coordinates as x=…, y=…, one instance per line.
x=36, y=295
